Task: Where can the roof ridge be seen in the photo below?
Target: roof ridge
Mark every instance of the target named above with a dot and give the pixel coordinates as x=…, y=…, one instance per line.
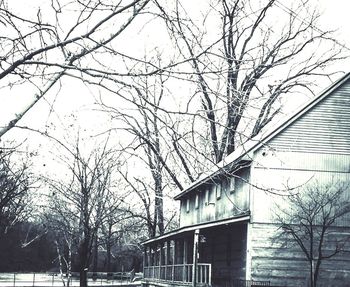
x=265, y=135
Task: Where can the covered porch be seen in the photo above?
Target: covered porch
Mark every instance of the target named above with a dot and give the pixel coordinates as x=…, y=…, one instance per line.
x=208, y=254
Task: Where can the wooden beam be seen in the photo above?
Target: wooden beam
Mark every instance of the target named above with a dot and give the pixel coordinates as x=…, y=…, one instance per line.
x=185, y=251
x=195, y=257
x=151, y=255
x=248, y=268
x=161, y=253
x=173, y=263
x=167, y=257
x=184, y=260
x=145, y=264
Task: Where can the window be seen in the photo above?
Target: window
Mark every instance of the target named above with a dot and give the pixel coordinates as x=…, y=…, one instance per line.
x=218, y=191
x=225, y=182
x=196, y=204
x=232, y=184
x=206, y=202
x=187, y=205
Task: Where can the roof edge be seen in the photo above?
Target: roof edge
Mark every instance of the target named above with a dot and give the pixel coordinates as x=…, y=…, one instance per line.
x=214, y=173
x=256, y=142
x=239, y=218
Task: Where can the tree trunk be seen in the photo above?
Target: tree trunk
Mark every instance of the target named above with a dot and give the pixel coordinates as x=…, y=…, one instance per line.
x=108, y=250
x=83, y=278
x=95, y=257
x=108, y=246
x=69, y=269
x=160, y=209
x=84, y=261
x=158, y=182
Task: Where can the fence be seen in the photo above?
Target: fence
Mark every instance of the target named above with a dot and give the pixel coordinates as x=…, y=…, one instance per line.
x=248, y=283
x=56, y=279
x=179, y=273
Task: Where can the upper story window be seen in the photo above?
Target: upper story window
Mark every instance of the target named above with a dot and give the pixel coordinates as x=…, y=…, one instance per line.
x=187, y=205
x=206, y=201
x=196, y=203
x=232, y=184
x=218, y=191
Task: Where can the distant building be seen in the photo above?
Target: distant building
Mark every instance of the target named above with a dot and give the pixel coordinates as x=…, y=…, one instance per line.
x=227, y=216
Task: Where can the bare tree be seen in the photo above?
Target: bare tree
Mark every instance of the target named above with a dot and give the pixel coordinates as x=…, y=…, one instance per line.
x=109, y=237
x=143, y=208
x=85, y=201
x=244, y=67
x=148, y=127
x=112, y=226
x=58, y=220
x=240, y=75
x=312, y=221
x=62, y=38
x=15, y=183
x=120, y=233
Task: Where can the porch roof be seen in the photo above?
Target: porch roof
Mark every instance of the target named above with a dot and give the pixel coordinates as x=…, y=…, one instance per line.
x=240, y=218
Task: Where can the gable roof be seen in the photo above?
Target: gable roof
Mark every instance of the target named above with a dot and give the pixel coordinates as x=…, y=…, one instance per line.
x=246, y=151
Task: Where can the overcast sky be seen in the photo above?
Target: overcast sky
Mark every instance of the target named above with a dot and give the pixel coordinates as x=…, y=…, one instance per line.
x=75, y=98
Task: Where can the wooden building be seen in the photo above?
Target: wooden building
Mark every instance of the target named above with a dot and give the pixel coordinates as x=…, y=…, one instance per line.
x=227, y=223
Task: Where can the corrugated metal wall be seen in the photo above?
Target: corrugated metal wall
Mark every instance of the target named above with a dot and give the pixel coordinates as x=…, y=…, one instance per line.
x=324, y=129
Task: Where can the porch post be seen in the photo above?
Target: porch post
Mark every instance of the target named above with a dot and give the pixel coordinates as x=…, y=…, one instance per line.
x=161, y=260
x=167, y=260
x=184, y=261
x=195, y=257
x=248, y=268
x=161, y=253
x=151, y=255
x=185, y=251
x=151, y=260
x=174, y=257
x=144, y=257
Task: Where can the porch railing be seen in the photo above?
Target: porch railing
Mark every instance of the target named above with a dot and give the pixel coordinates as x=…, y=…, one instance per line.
x=179, y=273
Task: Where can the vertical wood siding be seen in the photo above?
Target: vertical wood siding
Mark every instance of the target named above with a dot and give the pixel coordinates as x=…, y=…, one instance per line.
x=266, y=204
x=285, y=265
x=323, y=129
x=315, y=149
x=225, y=249
x=279, y=171
x=228, y=205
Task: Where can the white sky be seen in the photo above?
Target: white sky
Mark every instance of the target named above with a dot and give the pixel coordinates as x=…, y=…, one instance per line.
x=335, y=16
x=75, y=98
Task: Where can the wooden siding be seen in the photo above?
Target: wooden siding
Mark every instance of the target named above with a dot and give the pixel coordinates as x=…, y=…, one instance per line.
x=324, y=129
x=278, y=171
x=212, y=208
x=302, y=161
x=284, y=265
x=225, y=249
x=314, y=149
x=266, y=204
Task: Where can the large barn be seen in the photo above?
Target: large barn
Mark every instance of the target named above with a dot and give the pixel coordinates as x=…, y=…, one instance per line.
x=228, y=233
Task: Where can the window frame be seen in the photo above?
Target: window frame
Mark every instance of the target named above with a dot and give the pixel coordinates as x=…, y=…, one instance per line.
x=187, y=205
x=207, y=197
x=218, y=190
x=232, y=184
